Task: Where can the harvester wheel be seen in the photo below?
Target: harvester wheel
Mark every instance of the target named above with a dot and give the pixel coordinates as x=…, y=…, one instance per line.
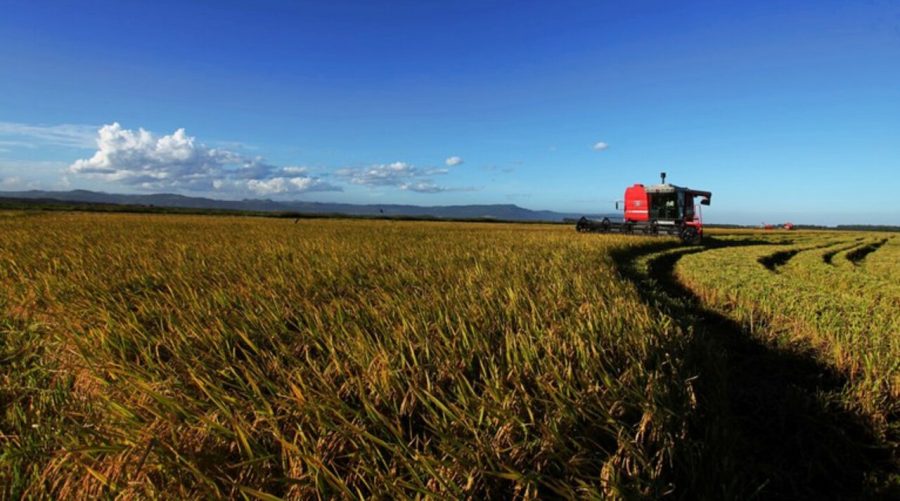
x=582, y=225
x=690, y=236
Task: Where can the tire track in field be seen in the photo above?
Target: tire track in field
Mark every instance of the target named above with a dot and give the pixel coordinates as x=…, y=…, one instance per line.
x=828, y=257
x=858, y=255
x=769, y=421
x=773, y=262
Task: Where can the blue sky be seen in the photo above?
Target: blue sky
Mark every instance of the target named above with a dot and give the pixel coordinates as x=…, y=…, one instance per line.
x=784, y=110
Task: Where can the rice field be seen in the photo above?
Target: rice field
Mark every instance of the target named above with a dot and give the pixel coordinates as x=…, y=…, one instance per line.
x=817, y=290
x=148, y=356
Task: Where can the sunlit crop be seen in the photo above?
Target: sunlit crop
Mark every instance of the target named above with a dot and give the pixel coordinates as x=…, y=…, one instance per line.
x=201, y=356
x=204, y=357
x=838, y=292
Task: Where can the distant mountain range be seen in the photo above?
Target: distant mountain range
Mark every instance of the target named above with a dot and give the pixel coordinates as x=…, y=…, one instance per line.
x=507, y=212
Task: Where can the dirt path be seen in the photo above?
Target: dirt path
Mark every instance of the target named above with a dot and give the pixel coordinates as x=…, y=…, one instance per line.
x=770, y=422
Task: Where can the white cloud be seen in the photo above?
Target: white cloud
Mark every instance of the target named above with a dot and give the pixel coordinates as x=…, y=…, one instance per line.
x=10, y=182
x=394, y=174
x=15, y=183
x=600, y=146
x=177, y=161
x=453, y=161
x=31, y=174
x=280, y=185
x=398, y=175
x=423, y=187
x=30, y=136
x=16, y=144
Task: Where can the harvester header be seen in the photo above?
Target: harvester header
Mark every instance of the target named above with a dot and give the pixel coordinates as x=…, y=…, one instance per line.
x=656, y=209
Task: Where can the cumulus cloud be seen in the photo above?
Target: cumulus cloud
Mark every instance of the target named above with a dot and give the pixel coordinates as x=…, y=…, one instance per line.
x=177, y=161
x=600, y=146
x=453, y=161
x=281, y=184
x=399, y=175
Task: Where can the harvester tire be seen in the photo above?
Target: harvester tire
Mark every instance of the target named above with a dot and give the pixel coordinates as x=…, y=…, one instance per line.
x=582, y=225
x=690, y=236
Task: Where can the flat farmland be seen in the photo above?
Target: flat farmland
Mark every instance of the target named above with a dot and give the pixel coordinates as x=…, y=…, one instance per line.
x=147, y=356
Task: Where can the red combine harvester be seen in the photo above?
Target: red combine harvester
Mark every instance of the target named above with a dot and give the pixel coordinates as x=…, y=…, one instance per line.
x=787, y=226
x=659, y=209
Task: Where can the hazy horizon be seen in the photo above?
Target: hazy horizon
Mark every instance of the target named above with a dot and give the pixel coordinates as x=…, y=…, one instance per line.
x=597, y=213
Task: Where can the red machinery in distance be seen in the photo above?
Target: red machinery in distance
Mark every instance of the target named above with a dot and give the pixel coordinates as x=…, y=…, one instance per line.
x=787, y=226
x=656, y=209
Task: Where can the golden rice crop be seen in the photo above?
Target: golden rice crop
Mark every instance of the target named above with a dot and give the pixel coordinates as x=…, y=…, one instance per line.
x=193, y=356
x=207, y=357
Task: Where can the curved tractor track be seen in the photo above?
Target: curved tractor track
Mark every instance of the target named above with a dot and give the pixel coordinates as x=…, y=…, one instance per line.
x=857, y=256
x=773, y=262
x=769, y=423
x=828, y=257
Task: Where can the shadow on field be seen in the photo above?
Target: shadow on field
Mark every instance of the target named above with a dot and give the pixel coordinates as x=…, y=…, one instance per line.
x=856, y=256
x=769, y=422
x=774, y=261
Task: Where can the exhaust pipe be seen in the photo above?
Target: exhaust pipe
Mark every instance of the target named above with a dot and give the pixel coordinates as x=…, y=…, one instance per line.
x=663, y=176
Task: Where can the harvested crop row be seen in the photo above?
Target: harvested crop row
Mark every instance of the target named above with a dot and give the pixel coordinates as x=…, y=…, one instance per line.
x=845, y=278
x=848, y=315
x=855, y=254
x=884, y=261
x=770, y=420
x=829, y=256
x=775, y=260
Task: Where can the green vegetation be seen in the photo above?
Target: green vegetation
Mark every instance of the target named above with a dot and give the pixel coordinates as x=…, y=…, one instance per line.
x=147, y=355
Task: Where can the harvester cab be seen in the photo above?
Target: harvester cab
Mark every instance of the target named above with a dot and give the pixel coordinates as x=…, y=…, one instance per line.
x=656, y=209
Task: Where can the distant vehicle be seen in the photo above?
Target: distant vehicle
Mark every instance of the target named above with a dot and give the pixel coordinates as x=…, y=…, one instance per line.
x=656, y=209
x=786, y=226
